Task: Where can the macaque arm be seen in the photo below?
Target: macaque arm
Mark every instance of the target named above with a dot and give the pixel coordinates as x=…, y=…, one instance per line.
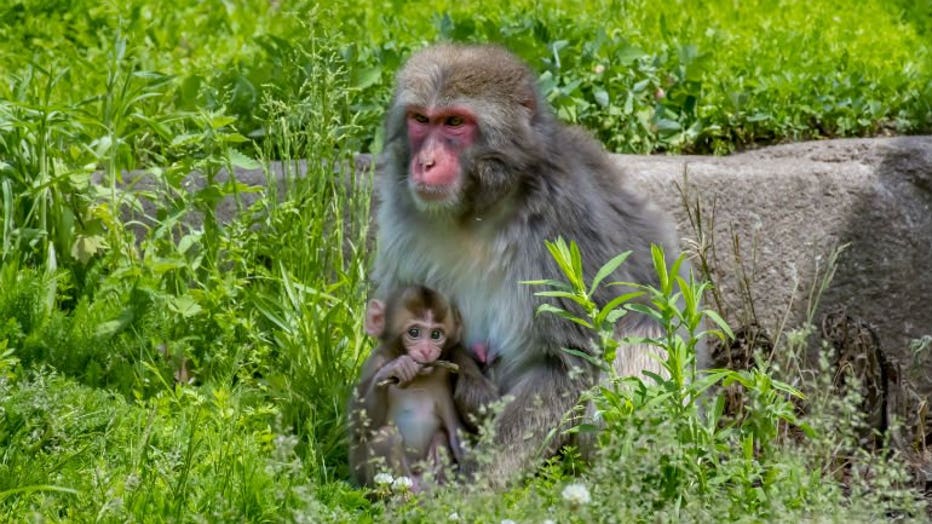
x=370, y=398
x=452, y=425
x=472, y=390
x=539, y=403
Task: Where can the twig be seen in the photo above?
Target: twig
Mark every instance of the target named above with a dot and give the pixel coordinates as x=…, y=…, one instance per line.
x=449, y=366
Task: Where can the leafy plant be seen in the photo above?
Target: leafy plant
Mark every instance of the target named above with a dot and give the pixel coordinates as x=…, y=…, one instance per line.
x=671, y=422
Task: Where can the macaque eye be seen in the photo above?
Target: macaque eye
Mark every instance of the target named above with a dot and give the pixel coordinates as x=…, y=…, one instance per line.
x=436, y=334
x=419, y=118
x=414, y=332
x=454, y=121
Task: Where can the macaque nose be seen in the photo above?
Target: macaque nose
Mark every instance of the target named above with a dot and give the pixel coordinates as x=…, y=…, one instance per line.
x=426, y=162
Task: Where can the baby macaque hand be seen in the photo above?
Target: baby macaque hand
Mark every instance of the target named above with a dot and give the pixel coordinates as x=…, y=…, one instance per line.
x=403, y=368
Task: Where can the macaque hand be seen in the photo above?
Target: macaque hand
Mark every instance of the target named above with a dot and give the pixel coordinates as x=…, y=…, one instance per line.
x=403, y=368
x=472, y=394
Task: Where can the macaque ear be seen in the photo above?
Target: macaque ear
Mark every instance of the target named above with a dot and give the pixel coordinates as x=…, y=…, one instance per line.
x=375, y=318
x=529, y=100
x=530, y=104
x=457, y=325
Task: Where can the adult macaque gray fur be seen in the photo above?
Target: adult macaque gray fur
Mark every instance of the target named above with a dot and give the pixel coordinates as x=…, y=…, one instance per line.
x=476, y=174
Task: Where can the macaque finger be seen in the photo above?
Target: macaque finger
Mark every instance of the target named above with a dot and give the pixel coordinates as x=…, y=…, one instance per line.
x=406, y=368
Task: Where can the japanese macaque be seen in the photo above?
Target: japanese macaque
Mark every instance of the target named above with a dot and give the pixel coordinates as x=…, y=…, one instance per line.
x=476, y=174
x=402, y=411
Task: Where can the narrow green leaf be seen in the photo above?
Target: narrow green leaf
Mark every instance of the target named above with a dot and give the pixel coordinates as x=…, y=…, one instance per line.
x=607, y=269
x=660, y=267
x=689, y=296
x=549, y=283
x=548, y=308
x=614, y=315
x=576, y=258
x=720, y=322
x=640, y=340
x=561, y=256
x=788, y=389
x=645, y=310
x=561, y=294
x=592, y=359
x=675, y=267
x=614, y=303
x=36, y=487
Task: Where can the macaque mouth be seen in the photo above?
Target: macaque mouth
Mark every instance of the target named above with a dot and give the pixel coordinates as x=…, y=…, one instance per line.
x=433, y=192
x=424, y=359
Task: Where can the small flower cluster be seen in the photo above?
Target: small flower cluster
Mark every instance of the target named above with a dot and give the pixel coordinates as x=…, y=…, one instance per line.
x=385, y=482
x=402, y=483
x=576, y=494
x=383, y=479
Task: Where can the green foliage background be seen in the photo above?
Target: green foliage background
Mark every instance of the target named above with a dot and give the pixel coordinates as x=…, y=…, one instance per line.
x=156, y=364
x=732, y=74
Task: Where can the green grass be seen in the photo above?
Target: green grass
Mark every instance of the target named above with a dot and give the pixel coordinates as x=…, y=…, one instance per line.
x=196, y=373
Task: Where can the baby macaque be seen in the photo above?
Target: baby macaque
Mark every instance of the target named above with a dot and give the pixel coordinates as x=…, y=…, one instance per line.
x=402, y=411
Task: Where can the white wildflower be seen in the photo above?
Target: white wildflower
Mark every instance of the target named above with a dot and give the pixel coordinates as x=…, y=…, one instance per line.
x=455, y=517
x=508, y=521
x=598, y=69
x=383, y=479
x=576, y=494
x=548, y=521
x=402, y=483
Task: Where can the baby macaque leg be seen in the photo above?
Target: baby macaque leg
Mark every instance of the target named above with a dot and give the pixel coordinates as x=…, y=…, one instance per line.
x=386, y=452
x=438, y=456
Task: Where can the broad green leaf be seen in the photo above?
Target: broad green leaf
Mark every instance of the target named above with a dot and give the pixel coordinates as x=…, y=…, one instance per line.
x=86, y=246
x=363, y=78
x=186, y=306
x=601, y=97
x=218, y=121
x=241, y=160
x=628, y=54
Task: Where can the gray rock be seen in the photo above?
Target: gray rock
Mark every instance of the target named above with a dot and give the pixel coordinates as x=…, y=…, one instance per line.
x=772, y=217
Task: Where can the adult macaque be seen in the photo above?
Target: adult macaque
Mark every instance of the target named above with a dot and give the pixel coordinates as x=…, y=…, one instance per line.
x=402, y=410
x=476, y=174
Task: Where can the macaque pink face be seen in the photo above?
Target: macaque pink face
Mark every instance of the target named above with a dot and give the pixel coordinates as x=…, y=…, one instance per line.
x=424, y=340
x=437, y=138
